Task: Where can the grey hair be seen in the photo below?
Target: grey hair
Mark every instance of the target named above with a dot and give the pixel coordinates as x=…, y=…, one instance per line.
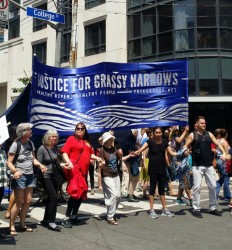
x=50, y=132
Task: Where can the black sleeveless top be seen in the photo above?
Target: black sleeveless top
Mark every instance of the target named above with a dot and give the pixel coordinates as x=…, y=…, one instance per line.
x=201, y=149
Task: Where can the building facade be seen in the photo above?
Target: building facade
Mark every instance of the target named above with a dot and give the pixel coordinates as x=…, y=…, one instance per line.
x=131, y=31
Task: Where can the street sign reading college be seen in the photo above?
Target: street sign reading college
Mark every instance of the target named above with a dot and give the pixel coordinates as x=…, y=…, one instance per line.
x=45, y=15
x=3, y=13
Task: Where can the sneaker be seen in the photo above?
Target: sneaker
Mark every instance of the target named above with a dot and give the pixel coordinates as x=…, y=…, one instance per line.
x=124, y=195
x=179, y=201
x=197, y=214
x=120, y=206
x=167, y=213
x=131, y=199
x=153, y=214
x=215, y=212
x=67, y=223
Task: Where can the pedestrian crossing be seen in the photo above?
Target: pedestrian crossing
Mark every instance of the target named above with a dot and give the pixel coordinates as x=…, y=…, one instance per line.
x=92, y=207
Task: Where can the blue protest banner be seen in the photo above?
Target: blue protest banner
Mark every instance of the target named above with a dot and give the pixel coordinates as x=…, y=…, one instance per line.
x=109, y=96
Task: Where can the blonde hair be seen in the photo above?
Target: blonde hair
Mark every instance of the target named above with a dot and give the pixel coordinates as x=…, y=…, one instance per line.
x=50, y=132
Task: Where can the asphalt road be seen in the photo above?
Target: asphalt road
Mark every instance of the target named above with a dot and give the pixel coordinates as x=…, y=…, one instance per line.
x=136, y=230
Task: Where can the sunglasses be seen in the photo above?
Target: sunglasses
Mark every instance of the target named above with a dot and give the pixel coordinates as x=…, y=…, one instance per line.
x=82, y=129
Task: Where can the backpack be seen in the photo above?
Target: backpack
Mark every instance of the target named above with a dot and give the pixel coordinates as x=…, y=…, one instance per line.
x=19, y=143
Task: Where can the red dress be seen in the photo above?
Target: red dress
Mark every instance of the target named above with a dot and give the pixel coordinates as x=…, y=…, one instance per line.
x=79, y=152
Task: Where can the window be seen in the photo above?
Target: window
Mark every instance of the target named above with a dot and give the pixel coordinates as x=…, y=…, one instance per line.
x=149, y=46
x=40, y=50
x=225, y=11
x=134, y=3
x=206, y=38
x=227, y=87
x=184, y=40
x=209, y=87
x=165, y=42
x=135, y=25
x=66, y=32
x=93, y=3
x=39, y=24
x=14, y=20
x=206, y=13
x=95, y=38
x=192, y=88
x=149, y=22
x=165, y=18
x=226, y=38
x=184, y=14
x=65, y=47
x=134, y=48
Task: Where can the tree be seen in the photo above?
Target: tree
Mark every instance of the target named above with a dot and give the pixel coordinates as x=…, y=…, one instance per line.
x=25, y=81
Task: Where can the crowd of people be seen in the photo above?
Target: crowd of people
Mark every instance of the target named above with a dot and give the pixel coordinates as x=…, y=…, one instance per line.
x=149, y=162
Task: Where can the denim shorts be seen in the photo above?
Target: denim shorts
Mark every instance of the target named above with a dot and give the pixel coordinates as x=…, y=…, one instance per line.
x=25, y=181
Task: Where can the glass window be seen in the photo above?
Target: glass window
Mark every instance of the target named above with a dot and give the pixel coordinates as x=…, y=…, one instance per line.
x=14, y=24
x=191, y=87
x=191, y=69
x=93, y=3
x=67, y=12
x=184, y=39
x=209, y=87
x=95, y=38
x=226, y=38
x=134, y=48
x=134, y=3
x=165, y=17
x=227, y=87
x=39, y=24
x=149, y=22
x=149, y=46
x=165, y=42
x=208, y=68
x=225, y=10
x=40, y=50
x=65, y=46
x=226, y=68
x=184, y=13
x=134, y=25
x=206, y=13
x=206, y=38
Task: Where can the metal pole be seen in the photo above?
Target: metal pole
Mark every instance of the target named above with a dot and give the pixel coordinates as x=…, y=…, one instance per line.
x=74, y=43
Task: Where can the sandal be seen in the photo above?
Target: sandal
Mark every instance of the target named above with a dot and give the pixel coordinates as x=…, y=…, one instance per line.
x=230, y=205
x=13, y=233
x=26, y=229
x=112, y=222
x=7, y=216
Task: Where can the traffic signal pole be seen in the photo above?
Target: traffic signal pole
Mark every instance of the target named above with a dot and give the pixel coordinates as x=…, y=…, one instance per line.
x=74, y=33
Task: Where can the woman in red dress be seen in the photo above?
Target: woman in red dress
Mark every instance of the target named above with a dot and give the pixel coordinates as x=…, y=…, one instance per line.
x=77, y=153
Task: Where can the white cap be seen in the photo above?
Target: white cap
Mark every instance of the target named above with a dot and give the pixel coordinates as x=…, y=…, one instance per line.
x=105, y=137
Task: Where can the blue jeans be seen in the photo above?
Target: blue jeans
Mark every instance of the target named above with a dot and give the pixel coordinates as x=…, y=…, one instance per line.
x=223, y=180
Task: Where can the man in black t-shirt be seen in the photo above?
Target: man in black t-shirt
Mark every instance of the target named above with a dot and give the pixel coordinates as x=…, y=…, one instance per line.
x=202, y=165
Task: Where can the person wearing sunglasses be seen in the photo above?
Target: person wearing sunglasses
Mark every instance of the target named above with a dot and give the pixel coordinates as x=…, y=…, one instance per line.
x=77, y=153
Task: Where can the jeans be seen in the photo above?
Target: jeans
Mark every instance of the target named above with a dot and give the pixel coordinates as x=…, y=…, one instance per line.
x=223, y=180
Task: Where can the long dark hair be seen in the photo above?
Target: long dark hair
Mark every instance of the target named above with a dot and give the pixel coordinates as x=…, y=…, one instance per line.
x=11, y=139
x=86, y=135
